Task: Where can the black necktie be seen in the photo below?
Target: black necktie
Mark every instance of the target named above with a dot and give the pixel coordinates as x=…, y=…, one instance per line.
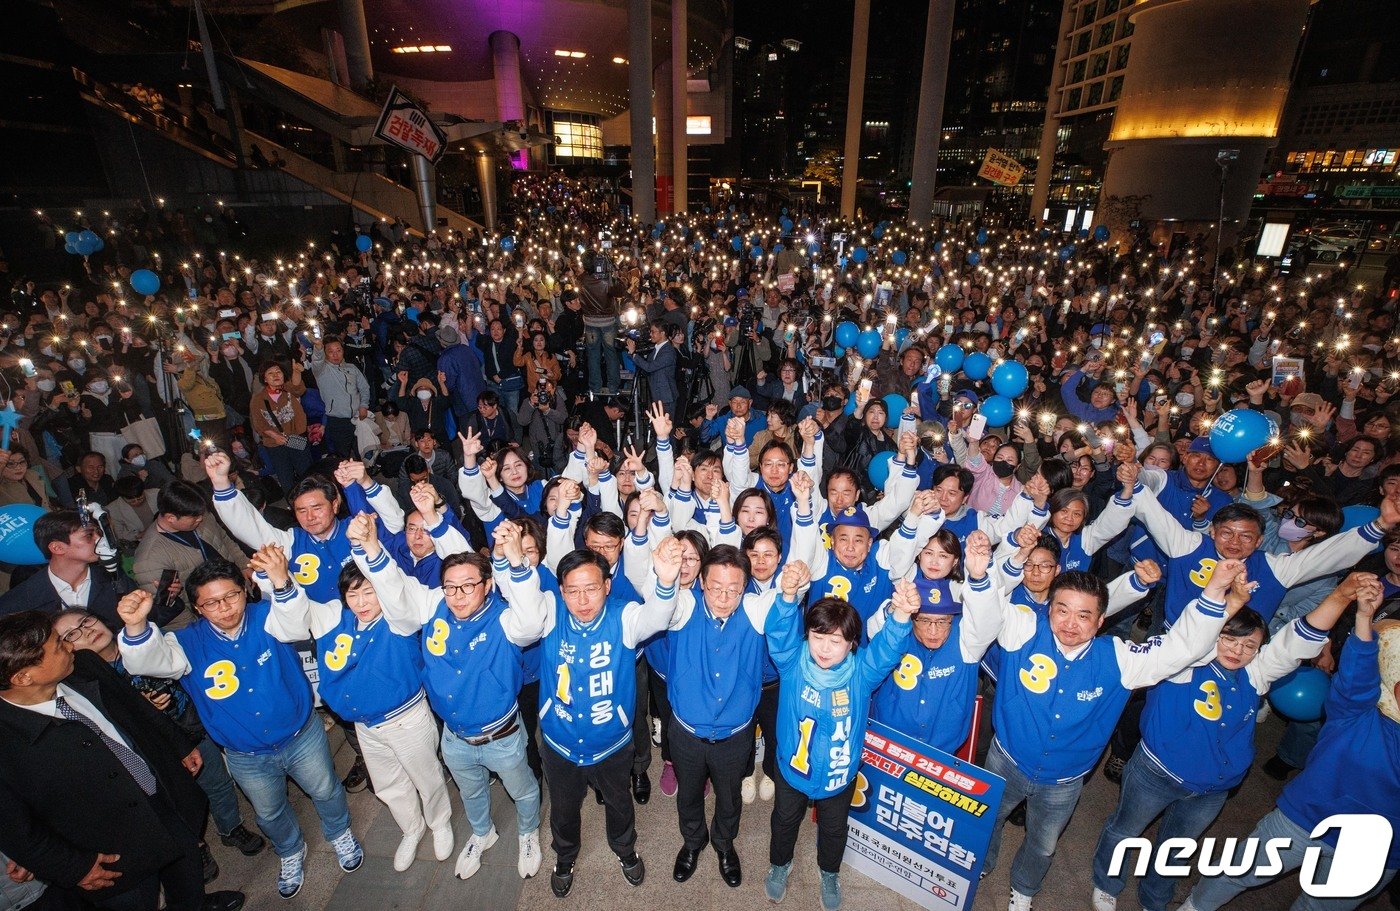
x=134, y=764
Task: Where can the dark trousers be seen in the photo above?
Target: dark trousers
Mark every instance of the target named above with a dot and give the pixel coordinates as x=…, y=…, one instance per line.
x=340, y=437
x=723, y=763
x=182, y=879
x=528, y=702
x=641, y=725
x=790, y=805
x=661, y=708
x=767, y=717
x=569, y=784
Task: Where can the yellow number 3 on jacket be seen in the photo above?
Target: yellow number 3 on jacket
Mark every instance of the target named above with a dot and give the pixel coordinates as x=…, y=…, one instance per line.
x=1037, y=677
x=436, y=644
x=1208, y=706
x=335, y=658
x=225, y=681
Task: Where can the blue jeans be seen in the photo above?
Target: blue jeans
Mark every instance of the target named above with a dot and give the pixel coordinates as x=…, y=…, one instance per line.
x=509, y=389
x=1298, y=740
x=307, y=761
x=600, y=343
x=1210, y=894
x=471, y=767
x=1147, y=792
x=1048, y=809
x=218, y=787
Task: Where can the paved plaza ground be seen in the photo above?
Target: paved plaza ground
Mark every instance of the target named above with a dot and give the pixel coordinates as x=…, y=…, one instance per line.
x=599, y=886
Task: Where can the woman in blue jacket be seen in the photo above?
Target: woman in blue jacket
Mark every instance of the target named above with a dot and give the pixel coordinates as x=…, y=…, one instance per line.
x=823, y=704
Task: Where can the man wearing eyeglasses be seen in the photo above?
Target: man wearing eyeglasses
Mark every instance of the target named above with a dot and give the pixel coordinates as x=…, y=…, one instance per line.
x=473, y=671
x=588, y=688
x=246, y=681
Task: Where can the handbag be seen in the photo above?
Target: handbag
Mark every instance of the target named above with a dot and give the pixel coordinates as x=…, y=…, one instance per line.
x=146, y=434
x=294, y=441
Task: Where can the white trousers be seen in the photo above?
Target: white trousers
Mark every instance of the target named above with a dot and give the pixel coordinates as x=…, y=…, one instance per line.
x=401, y=756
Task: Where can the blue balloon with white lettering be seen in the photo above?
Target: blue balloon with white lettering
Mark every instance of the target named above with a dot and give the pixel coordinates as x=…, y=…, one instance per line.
x=17, y=544
x=508, y=243
x=1237, y=433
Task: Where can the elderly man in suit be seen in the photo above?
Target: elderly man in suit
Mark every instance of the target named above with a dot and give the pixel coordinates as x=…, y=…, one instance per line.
x=73, y=577
x=96, y=787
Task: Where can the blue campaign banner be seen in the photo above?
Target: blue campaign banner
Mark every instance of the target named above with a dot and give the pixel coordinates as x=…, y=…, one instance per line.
x=921, y=819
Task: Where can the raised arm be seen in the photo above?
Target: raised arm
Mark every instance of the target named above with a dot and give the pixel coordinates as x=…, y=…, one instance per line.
x=1193, y=636
x=290, y=618
x=234, y=510
x=145, y=650
x=888, y=645
x=921, y=523
x=1338, y=551
x=407, y=603
x=981, y=619
x=783, y=628
x=736, y=456
x=642, y=621
x=523, y=621
x=559, y=537
x=1131, y=587
x=1114, y=519
x=1162, y=526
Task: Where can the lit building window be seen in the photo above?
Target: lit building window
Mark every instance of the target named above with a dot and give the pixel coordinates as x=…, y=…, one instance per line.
x=422, y=49
x=697, y=125
x=576, y=136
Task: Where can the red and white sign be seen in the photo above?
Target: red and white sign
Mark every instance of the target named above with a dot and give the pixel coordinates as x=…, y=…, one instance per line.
x=404, y=124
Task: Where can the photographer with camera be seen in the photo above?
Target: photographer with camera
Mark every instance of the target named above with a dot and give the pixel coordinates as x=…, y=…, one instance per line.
x=600, y=295
x=657, y=365
x=542, y=417
x=750, y=348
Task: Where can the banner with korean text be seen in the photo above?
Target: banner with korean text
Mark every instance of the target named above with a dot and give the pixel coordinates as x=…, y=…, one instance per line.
x=921, y=820
x=1001, y=169
x=406, y=125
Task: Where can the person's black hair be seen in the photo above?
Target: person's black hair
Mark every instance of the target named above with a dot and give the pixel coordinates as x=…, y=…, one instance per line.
x=350, y=578
x=182, y=499
x=467, y=558
x=129, y=487
x=313, y=483
x=696, y=540
x=780, y=446
x=784, y=411
x=761, y=494
x=530, y=527
x=1075, y=580
x=766, y=533
x=1245, y=621
x=91, y=452
x=415, y=464
x=951, y=544
x=606, y=523
x=726, y=555
x=211, y=571
x=848, y=473
x=944, y=472
x=126, y=451
x=705, y=458
x=55, y=526
x=575, y=559
x=1060, y=499
x=1051, y=543
x=1321, y=513
x=488, y=397
x=23, y=637
x=1234, y=512
x=423, y=432
x=834, y=615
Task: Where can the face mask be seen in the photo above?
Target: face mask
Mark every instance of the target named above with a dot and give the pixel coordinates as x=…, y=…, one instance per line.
x=1003, y=469
x=230, y=351
x=1374, y=349
x=19, y=342
x=1187, y=352
x=48, y=351
x=98, y=387
x=77, y=363
x=1291, y=531
x=240, y=451
x=45, y=385
x=104, y=339
x=1096, y=341
x=1185, y=399
x=1297, y=420
x=138, y=461
x=424, y=395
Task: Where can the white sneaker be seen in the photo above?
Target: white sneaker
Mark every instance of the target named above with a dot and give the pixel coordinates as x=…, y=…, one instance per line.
x=749, y=789
x=1019, y=902
x=656, y=731
x=469, y=861
x=529, y=863
x=1102, y=901
x=765, y=787
x=407, y=850
x=442, y=842
x=1187, y=905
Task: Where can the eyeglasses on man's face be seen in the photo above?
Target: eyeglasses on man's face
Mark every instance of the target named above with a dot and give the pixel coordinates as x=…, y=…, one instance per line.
x=230, y=599
x=463, y=589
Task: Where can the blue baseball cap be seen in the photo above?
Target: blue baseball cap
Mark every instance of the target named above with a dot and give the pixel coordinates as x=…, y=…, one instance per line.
x=936, y=596
x=1202, y=445
x=853, y=517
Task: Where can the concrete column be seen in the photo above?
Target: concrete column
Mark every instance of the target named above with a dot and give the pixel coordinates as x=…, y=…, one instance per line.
x=855, y=105
x=486, y=180
x=510, y=88
x=665, y=145
x=425, y=185
x=680, y=105
x=1049, y=131
x=933, y=85
x=356, y=36
x=639, y=96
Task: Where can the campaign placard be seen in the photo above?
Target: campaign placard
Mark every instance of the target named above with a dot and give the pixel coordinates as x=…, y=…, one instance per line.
x=1001, y=169
x=406, y=125
x=921, y=820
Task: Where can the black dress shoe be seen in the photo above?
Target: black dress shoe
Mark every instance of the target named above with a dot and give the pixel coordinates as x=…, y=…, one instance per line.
x=1018, y=816
x=686, y=860
x=223, y=901
x=641, y=788
x=211, y=866
x=562, y=879
x=1277, y=769
x=247, y=843
x=356, y=779
x=729, y=868
x=633, y=870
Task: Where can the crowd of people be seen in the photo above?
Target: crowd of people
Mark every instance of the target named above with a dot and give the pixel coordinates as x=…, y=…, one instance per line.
x=509, y=491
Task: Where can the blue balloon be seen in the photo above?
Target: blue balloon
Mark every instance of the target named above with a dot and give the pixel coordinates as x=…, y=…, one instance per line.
x=1238, y=433
x=894, y=406
x=1357, y=516
x=88, y=237
x=974, y=258
x=846, y=333
x=363, y=243
x=71, y=248
x=778, y=248
x=1101, y=233
x=17, y=543
x=840, y=351
x=1301, y=695
x=851, y=404
x=1082, y=233
x=938, y=246
x=508, y=243
x=72, y=237
x=950, y=357
x=1010, y=379
x=868, y=345
x=755, y=240
x=699, y=244
x=879, y=469
x=982, y=236
x=814, y=248
x=1066, y=252
x=899, y=337
x=859, y=255
x=737, y=243
x=899, y=257
x=998, y=410
x=787, y=225
x=976, y=365
x=879, y=232
x=144, y=281
x=756, y=252
x=804, y=222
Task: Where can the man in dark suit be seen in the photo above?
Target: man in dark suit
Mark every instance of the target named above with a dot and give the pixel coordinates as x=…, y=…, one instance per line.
x=658, y=365
x=73, y=576
x=97, y=789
